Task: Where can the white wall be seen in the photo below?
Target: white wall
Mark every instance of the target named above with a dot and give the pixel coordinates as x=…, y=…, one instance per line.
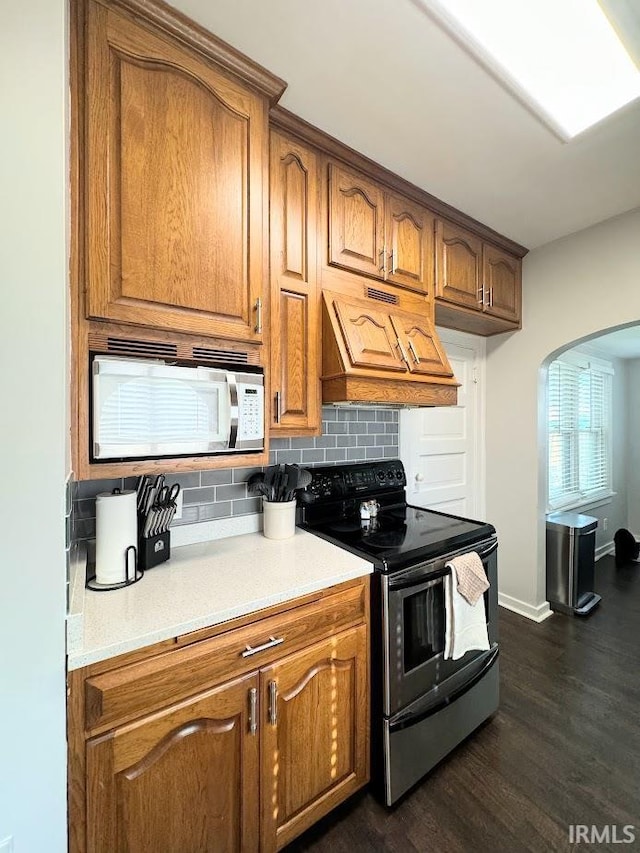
x=633, y=433
x=572, y=288
x=33, y=273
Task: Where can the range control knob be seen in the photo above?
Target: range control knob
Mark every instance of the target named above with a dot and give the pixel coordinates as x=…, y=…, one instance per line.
x=380, y=475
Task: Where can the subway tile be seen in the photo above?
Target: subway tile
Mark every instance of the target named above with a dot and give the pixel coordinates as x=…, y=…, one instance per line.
x=231, y=493
x=84, y=528
x=241, y=475
x=382, y=439
x=392, y=439
x=85, y=509
x=247, y=506
x=189, y=516
x=389, y=428
x=339, y=454
x=374, y=452
x=366, y=415
x=357, y=428
x=395, y=416
x=366, y=440
x=304, y=443
x=313, y=455
x=329, y=413
x=346, y=441
x=91, y=488
x=384, y=415
x=190, y=480
x=289, y=456
x=390, y=452
x=219, y=477
x=272, y=457
x=325, y=441
x=341, y=428
x=199, y=496
x=354, y=454
x=280, y=444
x=220, y=509
x=347, y=414
x=375, y=427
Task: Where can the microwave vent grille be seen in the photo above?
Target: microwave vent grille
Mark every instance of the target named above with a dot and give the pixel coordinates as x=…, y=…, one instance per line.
x=147, y=349
x=220, y=356
x=381, y=296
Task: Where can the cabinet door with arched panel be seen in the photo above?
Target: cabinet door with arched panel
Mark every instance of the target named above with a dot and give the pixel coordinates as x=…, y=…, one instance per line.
x=356, y=222
x=409, y=245
x=458, y=265
x=184, y=779
x=315, y=735
x=369, y=336
x=502, y=277
x=422, y=349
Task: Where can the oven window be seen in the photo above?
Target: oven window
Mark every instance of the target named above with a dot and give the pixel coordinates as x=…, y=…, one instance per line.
x=424, y=623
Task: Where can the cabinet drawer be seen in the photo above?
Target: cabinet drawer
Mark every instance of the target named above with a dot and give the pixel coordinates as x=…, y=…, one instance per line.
x=125, y=693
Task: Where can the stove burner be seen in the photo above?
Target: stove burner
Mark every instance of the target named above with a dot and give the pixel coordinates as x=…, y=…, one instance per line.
x=386, y=538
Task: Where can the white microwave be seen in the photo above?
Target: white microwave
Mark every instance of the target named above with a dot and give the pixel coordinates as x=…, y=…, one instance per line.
x=149, y=409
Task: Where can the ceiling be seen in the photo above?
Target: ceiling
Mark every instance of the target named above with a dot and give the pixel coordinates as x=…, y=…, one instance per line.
x=625, y=343
x=382, y=77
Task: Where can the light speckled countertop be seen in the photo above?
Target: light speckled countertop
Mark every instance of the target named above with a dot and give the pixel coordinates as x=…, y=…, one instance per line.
x=203, y=585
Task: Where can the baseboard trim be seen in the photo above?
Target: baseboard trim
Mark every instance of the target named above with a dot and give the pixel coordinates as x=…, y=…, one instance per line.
x=603, y=550
x=536, y=614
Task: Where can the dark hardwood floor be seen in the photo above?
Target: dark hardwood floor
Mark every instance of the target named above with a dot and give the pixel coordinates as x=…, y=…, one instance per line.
x=564, y=747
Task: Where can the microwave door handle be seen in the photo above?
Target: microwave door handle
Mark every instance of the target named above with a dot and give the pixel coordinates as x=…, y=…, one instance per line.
x=233, y=410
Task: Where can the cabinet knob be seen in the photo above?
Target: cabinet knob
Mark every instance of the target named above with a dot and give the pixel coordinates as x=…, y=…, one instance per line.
x=419, y=478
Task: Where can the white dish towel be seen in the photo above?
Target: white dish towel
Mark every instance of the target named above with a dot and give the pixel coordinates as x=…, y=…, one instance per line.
x=466, y=626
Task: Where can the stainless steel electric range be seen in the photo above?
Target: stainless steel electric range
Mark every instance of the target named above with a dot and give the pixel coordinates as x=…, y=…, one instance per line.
x=422, y=705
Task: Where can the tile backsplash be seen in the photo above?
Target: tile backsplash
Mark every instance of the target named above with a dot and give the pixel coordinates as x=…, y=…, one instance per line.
x=348, y=435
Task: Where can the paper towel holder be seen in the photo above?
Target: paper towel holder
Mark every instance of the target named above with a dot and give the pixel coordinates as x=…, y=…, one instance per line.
x=131, y=577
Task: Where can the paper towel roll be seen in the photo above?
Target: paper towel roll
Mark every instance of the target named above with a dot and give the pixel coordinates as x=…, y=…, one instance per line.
x=116, y=530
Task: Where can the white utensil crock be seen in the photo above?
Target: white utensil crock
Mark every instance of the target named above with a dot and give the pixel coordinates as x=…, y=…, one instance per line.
x=279, y=519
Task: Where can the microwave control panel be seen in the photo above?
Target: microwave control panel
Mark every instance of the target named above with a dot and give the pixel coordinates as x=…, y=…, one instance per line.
x=250, y=413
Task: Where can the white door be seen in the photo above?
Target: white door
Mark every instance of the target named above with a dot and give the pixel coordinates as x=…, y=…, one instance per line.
x=442, y=448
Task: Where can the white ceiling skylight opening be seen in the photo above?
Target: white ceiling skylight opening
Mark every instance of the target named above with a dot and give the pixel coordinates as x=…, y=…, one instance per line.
x=562, y=58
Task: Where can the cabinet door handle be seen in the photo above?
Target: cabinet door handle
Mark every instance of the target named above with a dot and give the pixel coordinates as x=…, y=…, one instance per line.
x=278, y=412
x=402, y=351
x=480, y=295
x=382, y=267
x=253, y=650
x=490, y=297
x=414, y=353
x=258, y=316
x=392, y=261
x=273, y=703
x=253, y=710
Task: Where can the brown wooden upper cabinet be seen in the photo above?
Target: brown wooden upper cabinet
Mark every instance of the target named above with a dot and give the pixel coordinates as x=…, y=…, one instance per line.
x=175, y=176
x=475, y=274
x=390, y=340
x=380, y=234
x=294, y=338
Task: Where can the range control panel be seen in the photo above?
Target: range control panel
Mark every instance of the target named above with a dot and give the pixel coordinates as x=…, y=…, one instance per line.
x=348, y=481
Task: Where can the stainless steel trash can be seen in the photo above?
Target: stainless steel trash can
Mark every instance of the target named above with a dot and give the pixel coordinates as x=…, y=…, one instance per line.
x=571, y=549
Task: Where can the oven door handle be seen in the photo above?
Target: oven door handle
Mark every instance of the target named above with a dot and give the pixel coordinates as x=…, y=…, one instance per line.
x=419, y=583
x=405, y=722
x=488, y=551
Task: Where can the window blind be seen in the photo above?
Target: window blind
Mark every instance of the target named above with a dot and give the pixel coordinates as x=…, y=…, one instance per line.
x=579, y=425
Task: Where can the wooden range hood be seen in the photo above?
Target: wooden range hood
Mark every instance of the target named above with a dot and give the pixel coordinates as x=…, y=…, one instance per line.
x=384, y=355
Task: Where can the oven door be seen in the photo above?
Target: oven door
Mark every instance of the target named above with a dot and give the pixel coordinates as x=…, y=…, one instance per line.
x=413, y=608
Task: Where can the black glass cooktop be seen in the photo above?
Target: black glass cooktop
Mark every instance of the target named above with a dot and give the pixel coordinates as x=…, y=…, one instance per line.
x=402, y=535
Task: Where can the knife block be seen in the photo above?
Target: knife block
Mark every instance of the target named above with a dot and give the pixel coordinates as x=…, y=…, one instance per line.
x=153, y=550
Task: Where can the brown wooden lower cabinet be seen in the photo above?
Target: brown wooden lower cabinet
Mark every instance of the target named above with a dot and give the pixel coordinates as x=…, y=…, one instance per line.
x=184, y=779
x=237, y=767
